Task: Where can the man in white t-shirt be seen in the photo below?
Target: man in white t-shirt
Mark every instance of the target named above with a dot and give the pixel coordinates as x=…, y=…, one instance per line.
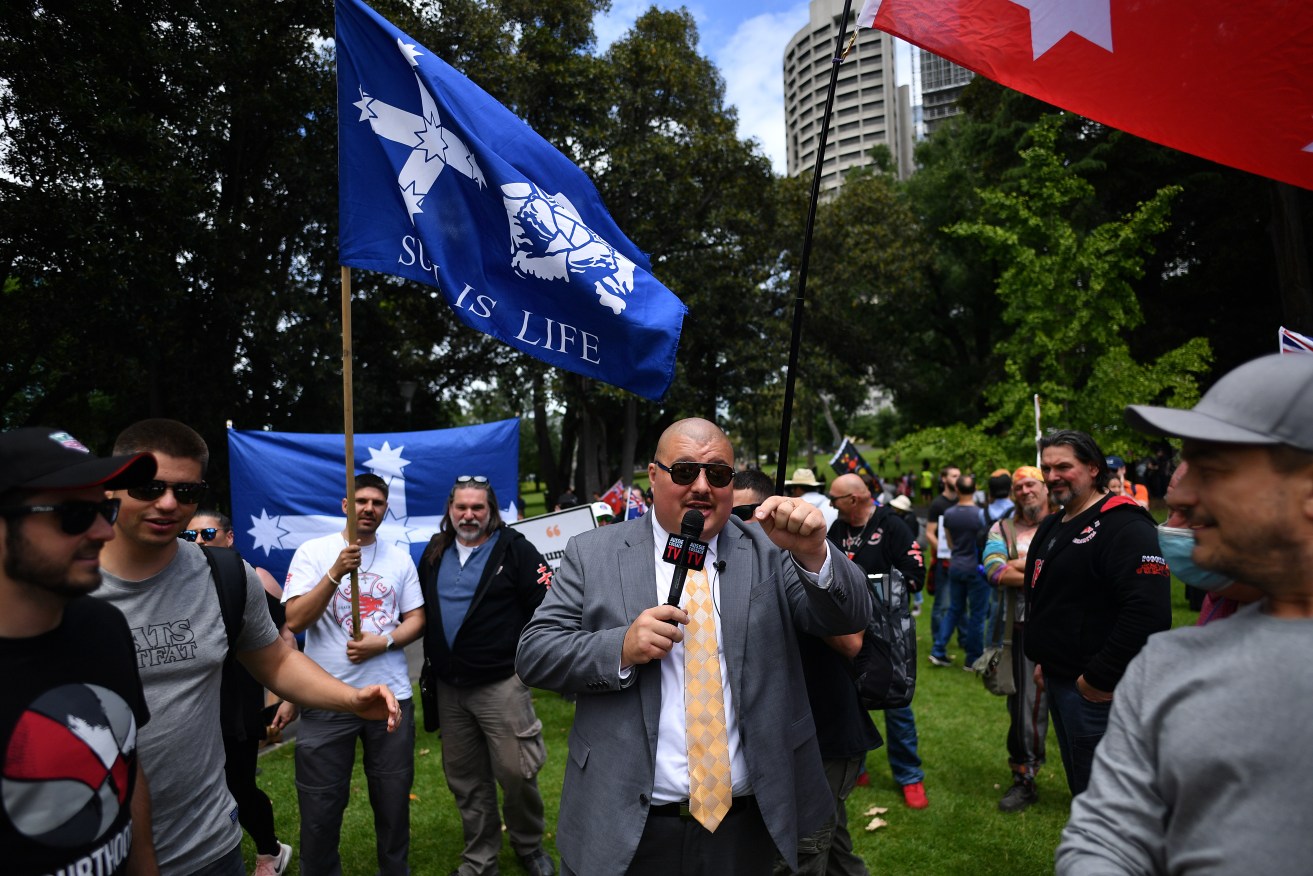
x=318, y=599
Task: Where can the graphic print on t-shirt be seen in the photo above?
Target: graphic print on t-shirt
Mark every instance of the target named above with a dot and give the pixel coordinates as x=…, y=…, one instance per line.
x=67, y=765
x=375, y=598
x=169, y=642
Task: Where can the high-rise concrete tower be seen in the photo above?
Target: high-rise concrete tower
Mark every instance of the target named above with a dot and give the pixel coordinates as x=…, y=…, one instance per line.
x=869, y=107
x=942, y=82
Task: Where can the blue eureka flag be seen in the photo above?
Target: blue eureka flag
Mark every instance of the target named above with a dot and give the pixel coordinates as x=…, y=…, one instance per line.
x=287, y=487
x=442, y=184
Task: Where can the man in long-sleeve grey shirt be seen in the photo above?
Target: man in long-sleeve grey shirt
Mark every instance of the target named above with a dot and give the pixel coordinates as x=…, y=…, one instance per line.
x=1205, y=766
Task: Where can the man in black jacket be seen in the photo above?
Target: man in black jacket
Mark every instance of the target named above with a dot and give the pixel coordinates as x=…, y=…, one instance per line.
x=879, y=542
x=482, y=582
x=1097, y=588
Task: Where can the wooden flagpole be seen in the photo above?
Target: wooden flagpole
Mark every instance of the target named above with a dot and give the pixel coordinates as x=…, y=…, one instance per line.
x=348, y=432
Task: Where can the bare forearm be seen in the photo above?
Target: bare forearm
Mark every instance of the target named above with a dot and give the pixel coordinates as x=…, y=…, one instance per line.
x=1012, y=577
x=410, y=628
x=141, y=859
x=304, y=610
x=296, y=678
x=849, y=645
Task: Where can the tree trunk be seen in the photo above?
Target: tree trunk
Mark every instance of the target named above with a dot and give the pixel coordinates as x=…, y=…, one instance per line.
x=629, y=445
x=550, y=474
x=829, y=421
x=600, y=443
x=565, y=454
x=809, y=433
x=586, y=469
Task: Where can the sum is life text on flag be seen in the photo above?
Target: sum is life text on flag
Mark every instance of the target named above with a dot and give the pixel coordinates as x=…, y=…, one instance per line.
x=441, y=184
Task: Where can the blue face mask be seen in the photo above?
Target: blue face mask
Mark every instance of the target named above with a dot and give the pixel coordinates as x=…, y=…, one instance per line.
x=1177, y=545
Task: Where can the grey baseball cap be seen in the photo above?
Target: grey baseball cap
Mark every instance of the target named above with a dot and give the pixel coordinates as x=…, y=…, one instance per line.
x=1266, y=401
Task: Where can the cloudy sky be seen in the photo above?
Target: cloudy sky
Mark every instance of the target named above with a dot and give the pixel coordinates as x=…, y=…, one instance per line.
x=746, y=41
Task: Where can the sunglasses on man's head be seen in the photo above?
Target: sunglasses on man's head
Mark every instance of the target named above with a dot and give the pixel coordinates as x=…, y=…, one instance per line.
x=75, y=517
x=472, y=479
x=186, y=494
x=206, y=534
x=684, y=473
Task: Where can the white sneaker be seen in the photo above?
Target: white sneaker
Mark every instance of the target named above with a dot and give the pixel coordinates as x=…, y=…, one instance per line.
x=273, y=865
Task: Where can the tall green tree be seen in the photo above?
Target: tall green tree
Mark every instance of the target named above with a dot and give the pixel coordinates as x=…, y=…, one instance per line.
x=1068, y=301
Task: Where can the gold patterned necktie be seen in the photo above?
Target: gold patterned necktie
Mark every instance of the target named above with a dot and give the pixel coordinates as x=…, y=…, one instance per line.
x=710, y=789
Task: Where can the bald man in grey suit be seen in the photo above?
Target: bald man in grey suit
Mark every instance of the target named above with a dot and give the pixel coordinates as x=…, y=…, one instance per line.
x=605, y=633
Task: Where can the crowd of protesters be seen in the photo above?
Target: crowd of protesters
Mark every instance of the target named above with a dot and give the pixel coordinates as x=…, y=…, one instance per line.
x=718, y=733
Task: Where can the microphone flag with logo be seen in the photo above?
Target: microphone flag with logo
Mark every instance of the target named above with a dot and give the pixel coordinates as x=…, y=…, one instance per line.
x=440, y=183
x=287, y=487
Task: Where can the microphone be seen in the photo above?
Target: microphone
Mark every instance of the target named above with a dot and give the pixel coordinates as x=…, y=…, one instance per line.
x=685, y=552
x=720, y=566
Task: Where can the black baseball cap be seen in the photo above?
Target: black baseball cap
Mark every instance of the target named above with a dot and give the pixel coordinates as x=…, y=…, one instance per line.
x=1265, y=401
x=43, y=458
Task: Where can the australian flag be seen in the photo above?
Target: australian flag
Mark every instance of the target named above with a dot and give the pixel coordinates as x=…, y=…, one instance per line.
x=442, y=184
x=287, y=487
x=848, y=460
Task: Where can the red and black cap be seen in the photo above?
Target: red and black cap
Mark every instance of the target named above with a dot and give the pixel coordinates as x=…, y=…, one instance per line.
x=42, y=458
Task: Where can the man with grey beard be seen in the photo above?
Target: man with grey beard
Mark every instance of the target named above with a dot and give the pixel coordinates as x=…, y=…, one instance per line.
x=1005, y=569
x=482, y=582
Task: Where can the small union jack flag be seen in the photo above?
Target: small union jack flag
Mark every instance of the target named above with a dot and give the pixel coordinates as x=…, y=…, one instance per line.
x=1294, y=342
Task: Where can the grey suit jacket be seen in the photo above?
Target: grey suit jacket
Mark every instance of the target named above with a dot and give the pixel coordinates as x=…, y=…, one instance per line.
x=573, y=644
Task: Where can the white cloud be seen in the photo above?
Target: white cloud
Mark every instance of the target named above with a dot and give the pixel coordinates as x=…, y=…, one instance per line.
x=752, y=62
x=619, y=19
x=749, y=53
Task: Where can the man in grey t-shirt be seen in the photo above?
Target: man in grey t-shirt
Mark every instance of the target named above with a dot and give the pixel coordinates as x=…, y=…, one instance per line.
x=164, y=588
x=1205, y=766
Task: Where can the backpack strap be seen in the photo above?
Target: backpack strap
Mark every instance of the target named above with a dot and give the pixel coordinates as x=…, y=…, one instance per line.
x=229, y=575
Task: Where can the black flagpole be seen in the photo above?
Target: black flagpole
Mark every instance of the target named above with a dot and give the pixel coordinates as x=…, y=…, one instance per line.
x=796, y=339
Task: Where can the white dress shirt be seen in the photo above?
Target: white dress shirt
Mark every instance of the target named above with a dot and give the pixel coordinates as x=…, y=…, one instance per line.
x=670, y=784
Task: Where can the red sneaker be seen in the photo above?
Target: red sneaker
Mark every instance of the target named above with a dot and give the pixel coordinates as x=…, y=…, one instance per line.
x=864, y=779
x=914, y=795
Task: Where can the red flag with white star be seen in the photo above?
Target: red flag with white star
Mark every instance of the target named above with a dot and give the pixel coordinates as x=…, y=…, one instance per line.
x=1228, y=80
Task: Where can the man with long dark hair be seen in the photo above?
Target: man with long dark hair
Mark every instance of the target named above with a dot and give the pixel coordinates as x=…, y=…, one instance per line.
x=482, y=581
x=1098, y=587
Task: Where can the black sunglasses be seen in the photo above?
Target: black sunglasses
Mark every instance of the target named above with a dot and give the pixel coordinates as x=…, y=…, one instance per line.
x=684, y=473
x=745, y=512
x=206, y=534
x=472, y=479
x=186, y=494
x=75, y=518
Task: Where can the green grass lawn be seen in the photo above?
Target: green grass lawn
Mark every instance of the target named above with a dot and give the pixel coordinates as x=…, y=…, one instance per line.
x=962, y=743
